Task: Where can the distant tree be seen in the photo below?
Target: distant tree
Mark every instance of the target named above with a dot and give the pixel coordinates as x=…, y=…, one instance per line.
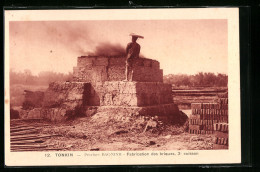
x=43, y=78
x=199, y=79
x=222, y=80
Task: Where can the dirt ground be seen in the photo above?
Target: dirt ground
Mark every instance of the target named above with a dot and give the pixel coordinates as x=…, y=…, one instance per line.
x=82, y=134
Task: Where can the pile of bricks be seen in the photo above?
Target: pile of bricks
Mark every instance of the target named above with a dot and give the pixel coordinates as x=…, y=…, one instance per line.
x=221, y=134
x=206, y=115
x=211, y=118
x=65, y=94
x=118, y=93
x=100, y=68
x=221, y=129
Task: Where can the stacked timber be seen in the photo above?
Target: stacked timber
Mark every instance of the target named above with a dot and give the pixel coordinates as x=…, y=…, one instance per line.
x=28, y=138
x=206, y=115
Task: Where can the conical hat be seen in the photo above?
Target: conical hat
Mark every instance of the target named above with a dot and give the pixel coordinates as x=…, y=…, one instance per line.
x=135, y=35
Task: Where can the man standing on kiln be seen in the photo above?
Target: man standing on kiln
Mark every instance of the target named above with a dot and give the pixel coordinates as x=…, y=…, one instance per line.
x=132, y=51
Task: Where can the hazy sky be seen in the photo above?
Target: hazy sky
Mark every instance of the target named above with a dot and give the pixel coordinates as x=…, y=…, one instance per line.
x=181, y=46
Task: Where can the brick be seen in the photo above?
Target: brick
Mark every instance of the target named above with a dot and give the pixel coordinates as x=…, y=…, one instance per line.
x=147, y=63
x=223, y=95
x=100, y=61
x=219, y=147
x=196, y=127
x=116, y=73
x=226, y=141
x=206, y=105
x=138, y=62
x=155, y=64
x=84, y=61
x=142, y=69
x=208, y=127
x=196, y=111
x=196, y=106
x=196, y=117
x=117, y=61
x=220, y=134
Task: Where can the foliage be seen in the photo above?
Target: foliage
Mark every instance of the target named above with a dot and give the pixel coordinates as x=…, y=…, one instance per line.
x=20, y=81
x=43, y=78
x=200, y=79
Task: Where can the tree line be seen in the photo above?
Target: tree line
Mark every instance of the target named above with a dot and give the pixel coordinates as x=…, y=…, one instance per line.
x=43, y=78
x=199, y=79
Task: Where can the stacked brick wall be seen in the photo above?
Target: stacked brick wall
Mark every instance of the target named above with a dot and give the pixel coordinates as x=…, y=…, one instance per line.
x=221, y=135
x=60, y=101
x=120, y=93
x=134, y=98
x=221, y=129
x=65, y=94
x=146, y=70
x=135, y=94
x=97, y=84
x=100, y=69
x=205, y=115
x=211, y=118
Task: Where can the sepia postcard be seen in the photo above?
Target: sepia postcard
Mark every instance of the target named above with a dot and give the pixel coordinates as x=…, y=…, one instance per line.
x=122, y=87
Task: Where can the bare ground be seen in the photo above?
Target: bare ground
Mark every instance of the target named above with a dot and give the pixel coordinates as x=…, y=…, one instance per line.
x=82, y=135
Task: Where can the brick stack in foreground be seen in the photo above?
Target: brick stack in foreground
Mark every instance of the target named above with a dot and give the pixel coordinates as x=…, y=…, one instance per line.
x=221, y=135
x=205, y=115
x=221, y=129
x=211, y=118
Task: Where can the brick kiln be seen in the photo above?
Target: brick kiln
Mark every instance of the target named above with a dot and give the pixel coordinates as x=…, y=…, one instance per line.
x=98, y=86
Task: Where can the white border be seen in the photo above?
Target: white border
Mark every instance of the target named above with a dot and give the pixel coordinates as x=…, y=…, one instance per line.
x=232, y=155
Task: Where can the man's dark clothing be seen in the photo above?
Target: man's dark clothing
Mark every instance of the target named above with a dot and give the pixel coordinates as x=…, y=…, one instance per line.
x=132, y=50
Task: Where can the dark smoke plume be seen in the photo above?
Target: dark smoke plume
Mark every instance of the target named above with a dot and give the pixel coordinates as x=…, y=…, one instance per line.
x=73, y=35
x=108, y=49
